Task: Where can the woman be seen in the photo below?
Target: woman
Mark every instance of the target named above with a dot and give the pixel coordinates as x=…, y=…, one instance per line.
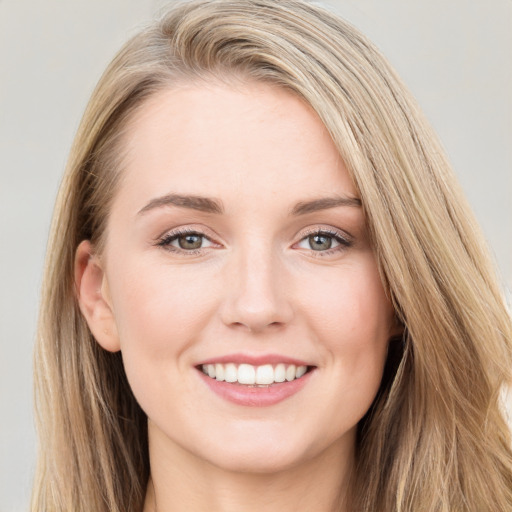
x=264, y=289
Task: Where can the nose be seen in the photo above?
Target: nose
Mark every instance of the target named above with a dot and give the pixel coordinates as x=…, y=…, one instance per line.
x=255, y=293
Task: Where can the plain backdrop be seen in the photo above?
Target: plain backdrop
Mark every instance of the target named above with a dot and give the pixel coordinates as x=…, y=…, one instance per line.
x=455, y=55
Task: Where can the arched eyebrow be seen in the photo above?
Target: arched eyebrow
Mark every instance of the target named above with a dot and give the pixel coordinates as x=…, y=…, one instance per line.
x=324, y=203
x=210, y=205
x=203, y=204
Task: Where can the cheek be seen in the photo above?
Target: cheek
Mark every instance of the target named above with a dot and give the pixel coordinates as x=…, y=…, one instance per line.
x=158, y=309
x=160, y=312
x=351, y=304
x=352, y=318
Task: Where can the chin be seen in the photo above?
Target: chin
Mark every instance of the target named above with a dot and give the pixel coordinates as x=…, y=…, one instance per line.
x=257, y=461
x=262, y=454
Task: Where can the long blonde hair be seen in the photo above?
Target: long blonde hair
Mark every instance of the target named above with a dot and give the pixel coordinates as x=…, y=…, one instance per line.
x=435, y=439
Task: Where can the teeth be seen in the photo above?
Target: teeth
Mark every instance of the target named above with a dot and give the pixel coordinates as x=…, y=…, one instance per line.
x=301, y=370
x=219, y=372
x=230, y=373
x=265, y=374
x=280, y=373
x=290, y=372
x=248, y=374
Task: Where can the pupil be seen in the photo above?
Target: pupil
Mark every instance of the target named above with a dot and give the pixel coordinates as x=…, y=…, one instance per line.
x=190, y=241
x=320, y=242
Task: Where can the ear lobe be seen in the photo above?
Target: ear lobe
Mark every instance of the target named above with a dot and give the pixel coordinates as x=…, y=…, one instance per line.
x=93, y=297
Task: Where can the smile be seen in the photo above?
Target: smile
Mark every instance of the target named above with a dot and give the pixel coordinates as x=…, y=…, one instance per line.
x=255, y=381
x=248, y=374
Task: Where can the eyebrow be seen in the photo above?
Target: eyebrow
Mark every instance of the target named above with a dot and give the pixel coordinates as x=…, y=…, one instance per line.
x=209, y=205
x=325, y=203
x=203, y=204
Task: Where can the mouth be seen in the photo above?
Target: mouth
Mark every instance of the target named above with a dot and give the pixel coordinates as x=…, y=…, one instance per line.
x=244, y=374
x=255, y=380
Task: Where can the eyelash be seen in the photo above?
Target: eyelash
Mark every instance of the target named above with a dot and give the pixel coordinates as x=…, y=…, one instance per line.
x=344, y=241
x=166, y=240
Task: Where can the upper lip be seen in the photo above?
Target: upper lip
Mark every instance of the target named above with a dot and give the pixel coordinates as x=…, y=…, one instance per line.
x=255, y=360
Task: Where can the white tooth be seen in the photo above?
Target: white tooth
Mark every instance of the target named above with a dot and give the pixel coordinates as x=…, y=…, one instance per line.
x=246, y=374
x=211, y=370
x=219, y=372
x=301, y=370
x=205, y=369
x=290, y=372
x=265, y=374
x=280, y=373
x=230, y=373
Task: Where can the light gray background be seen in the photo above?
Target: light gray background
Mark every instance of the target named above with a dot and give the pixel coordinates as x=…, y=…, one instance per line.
x=455, y=55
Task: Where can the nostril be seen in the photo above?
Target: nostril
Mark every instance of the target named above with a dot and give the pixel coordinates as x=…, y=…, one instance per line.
x=255, y=326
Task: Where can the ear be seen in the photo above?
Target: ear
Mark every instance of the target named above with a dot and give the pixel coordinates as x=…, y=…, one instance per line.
x=93, y=297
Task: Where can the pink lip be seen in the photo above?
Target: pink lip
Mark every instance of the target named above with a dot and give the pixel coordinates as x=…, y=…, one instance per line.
x=255, y=360
x=254, y=396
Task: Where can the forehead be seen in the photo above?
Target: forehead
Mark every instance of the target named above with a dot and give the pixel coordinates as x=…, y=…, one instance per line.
x=217, y=140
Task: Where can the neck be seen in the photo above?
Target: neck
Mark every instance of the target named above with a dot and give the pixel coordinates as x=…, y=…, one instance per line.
x=181, y=482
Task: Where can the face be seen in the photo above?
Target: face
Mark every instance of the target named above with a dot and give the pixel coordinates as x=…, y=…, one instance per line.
x=242, y=287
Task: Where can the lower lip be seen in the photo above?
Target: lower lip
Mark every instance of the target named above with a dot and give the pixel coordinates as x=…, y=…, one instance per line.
x=255, y=396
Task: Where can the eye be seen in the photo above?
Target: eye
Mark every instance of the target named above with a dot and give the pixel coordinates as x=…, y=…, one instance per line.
x=190, y=241
x=187, y=241
x=324, y=241
x=321, y=242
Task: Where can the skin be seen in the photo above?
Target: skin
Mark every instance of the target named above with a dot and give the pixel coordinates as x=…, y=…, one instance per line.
x=256, y=287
